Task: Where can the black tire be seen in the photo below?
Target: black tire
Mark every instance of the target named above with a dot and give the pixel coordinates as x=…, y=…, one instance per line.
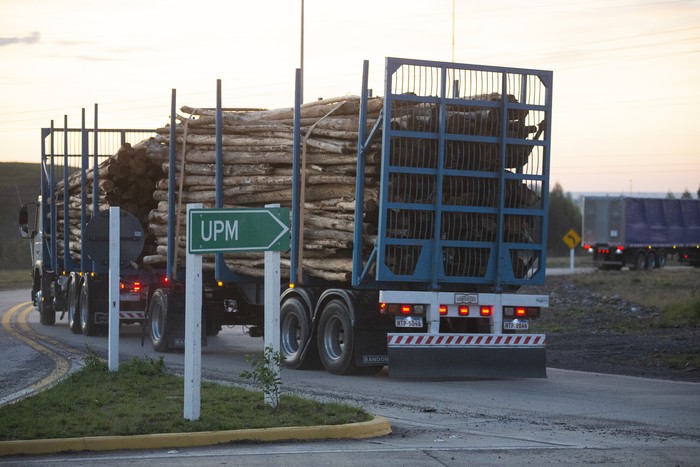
x=652, y=262
x=47, y=315
x=661, y=260
x=73, y=307
x=336, y=339
x=295, y=333
x=157, y=320
x=87, y=314
x=640, y=261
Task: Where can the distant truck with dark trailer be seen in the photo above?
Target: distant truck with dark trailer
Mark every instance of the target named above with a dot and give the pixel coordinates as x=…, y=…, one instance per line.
x=462, y=226
x=641, y=233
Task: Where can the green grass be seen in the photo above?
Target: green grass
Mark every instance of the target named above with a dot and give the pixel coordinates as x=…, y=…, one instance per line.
x=15, y=279
x=661, y=288
x=142, y=397
x=682, y=314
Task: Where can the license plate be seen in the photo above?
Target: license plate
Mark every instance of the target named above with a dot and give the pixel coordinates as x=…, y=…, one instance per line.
x=411, y=322
x=516, y=325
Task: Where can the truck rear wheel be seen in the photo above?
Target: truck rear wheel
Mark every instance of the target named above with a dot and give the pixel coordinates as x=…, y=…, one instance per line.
x=651, y=261
x=73, y=299
x=640, y=261
x=157, y=320
x=336, y=339
x=661, y=259
x=295, y=333
x=87, y=313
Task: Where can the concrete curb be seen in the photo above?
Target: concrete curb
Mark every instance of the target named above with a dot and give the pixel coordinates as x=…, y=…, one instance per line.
x=378, y=426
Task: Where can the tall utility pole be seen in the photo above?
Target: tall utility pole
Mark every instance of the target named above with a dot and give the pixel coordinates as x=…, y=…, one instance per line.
x=453, y=28
x=301, y=65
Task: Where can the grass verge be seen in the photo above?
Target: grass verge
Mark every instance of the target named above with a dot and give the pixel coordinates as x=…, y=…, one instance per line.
x=142, y=398
x=15, y=279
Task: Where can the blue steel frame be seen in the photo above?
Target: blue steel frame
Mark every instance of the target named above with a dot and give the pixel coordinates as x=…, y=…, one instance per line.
x=428, y=269
x=61, y=261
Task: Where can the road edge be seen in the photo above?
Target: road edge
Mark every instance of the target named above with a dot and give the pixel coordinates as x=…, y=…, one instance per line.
x=378, y=426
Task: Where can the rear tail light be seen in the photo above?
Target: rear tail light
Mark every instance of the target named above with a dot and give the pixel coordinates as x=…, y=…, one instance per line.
x=485, y=311
x=403, y=309
x=443, y=309
x=463, y=310
x=521, y=312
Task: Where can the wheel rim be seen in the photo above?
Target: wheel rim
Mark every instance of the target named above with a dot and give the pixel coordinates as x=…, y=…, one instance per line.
x=157, y=323
x=84, y=312
x=291, y=336
x=334, y=338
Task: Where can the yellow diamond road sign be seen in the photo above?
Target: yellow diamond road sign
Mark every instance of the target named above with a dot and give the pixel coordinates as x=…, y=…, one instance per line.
x=571, y=238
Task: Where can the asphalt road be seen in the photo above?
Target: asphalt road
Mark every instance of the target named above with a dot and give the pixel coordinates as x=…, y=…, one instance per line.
x=569, y=417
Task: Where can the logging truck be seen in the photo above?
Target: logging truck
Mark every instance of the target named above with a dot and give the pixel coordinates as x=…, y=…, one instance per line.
x=641, y=233
x=418, y=219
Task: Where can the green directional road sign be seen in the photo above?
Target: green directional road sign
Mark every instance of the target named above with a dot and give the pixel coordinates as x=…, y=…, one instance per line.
x=225, y=230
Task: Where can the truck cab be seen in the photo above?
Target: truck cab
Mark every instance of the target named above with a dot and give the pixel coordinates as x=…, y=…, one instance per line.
x=34, y=233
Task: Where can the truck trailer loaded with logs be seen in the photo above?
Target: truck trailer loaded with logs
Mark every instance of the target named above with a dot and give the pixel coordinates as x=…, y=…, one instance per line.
x=417, y=217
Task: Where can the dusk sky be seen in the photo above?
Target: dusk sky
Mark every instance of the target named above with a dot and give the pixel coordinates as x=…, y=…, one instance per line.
x=626, y=72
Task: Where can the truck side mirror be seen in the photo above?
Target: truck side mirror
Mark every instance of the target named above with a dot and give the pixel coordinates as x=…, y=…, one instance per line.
x=24, y=222
x=23, y=216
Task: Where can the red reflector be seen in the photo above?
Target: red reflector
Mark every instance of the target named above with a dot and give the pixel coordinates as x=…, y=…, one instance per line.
x=520, y=312
x=463, y=310
x=485, y=311
x=443, y=309
x=405, y=309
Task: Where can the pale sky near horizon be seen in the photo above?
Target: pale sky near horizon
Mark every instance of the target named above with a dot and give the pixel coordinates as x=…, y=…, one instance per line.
x=626, y=72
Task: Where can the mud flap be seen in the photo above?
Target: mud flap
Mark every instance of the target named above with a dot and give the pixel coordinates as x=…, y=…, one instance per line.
x=175, y=323
x=432, y=362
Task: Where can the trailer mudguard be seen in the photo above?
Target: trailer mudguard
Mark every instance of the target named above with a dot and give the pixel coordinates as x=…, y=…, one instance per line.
x=467, y=356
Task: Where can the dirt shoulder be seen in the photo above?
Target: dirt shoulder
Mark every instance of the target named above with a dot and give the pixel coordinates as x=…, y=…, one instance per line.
x=612, y=322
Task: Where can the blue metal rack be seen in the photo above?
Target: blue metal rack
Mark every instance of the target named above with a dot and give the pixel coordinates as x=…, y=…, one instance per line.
x=464, y=176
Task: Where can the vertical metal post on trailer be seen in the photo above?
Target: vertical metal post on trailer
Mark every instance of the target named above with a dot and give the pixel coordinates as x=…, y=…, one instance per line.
x=66, y=243
x=359, y=179
x=219, y=264
x=170, y=261
x=83, y=195
x=95, y=200
x=52, y=185
x=294, y=272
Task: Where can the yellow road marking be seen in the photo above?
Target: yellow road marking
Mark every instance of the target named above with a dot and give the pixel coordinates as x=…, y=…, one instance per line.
x=61, y=364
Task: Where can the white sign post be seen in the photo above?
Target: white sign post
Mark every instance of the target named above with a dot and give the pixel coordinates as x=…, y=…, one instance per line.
x=193, y=330
x=272, y=308
x=114, y=278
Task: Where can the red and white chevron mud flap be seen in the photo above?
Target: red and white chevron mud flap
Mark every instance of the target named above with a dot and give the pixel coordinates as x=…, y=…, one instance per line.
x=457, y=356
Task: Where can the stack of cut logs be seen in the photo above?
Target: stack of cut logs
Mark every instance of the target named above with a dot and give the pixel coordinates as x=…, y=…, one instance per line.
x=126, y=179
x=257, y=170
